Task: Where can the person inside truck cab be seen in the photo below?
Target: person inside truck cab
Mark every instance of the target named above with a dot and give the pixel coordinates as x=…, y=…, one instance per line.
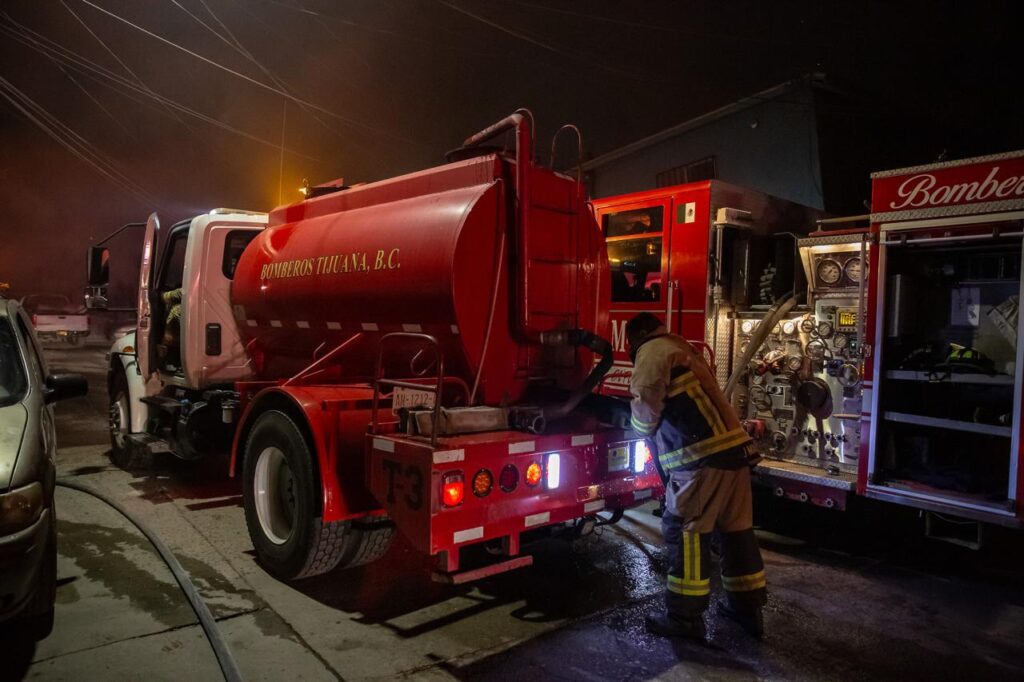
x=170, y=345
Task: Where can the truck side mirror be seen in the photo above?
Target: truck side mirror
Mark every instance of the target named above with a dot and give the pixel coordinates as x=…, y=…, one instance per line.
x=98, y=266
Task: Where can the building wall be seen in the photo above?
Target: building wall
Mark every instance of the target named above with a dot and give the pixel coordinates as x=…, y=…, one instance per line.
x=771, y=146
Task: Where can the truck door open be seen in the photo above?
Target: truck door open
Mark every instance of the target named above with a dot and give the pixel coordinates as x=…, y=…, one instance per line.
x=147, y=269
x=947, y=376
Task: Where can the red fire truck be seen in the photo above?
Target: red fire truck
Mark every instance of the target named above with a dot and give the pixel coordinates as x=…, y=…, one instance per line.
x=418, y=353
x=894, y=373
x=695, y=254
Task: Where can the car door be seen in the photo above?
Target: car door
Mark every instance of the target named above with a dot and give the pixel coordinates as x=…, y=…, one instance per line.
x=145, y=348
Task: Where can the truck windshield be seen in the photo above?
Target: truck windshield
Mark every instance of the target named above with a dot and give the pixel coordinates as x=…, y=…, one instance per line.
x=12, y=371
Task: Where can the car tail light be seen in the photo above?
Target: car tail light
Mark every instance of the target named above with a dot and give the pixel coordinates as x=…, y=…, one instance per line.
x=453, y=489
x=35, y=320
x=553, y=466
x=509, y=478
x=533, y=474
x=483, y=481
x=641, y=453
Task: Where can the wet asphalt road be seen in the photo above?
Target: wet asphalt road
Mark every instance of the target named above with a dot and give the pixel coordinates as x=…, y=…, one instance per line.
x=851, y=604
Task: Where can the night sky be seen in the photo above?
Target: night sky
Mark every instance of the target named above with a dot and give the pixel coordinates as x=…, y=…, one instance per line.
x=110, y=109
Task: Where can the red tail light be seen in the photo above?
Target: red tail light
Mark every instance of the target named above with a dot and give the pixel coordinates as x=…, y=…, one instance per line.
x=35, y=320
x=453, y=489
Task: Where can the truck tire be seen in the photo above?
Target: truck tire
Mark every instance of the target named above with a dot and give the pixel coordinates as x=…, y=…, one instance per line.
x=280, y=494
x=122, y=454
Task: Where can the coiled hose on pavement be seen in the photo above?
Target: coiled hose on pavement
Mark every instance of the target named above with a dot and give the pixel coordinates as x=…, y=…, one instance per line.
x=228, y=665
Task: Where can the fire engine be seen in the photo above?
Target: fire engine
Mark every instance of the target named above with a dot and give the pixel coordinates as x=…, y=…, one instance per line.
x=417, y=353
x=894, y=372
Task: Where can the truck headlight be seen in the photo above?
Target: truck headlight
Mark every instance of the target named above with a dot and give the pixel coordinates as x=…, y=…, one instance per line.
x=20, y=508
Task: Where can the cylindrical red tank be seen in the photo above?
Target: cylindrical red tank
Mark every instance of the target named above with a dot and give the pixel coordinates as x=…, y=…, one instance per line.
x=430, y=252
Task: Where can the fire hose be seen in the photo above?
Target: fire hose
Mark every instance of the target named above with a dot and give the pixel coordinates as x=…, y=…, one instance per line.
x=535, y=419
x=226, y=661
x=776, y=313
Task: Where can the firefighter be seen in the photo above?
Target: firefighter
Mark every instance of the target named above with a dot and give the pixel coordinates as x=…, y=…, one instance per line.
x=169, y=348
x=702, y=453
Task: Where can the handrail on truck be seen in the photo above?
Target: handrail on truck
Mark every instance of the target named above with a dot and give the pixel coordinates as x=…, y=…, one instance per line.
x=379, y=380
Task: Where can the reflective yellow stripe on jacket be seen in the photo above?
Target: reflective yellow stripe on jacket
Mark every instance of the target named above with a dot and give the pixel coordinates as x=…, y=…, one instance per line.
x=702, y=449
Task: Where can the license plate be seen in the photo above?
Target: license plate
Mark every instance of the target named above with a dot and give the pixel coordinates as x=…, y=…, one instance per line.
x=410, y=398
x=618, y=458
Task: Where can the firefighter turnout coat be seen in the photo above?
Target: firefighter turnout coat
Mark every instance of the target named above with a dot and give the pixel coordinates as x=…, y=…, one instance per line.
x=701, y=449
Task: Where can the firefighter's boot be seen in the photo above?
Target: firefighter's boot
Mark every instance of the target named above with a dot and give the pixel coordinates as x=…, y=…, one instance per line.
x=751, y=621
x=665, y=625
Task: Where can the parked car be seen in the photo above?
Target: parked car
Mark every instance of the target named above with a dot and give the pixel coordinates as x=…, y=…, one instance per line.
x=55, y=316
x=28, y=528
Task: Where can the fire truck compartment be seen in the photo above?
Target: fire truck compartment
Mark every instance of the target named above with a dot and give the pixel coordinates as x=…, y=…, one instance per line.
x=498, y=485
x=948, y=378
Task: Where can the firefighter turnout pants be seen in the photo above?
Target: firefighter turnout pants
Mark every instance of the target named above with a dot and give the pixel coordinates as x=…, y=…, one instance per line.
x=697, y=502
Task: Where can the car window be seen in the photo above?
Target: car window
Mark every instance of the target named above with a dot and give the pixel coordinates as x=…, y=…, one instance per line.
x=13, y=381
x=48, y=304
x=35, y=356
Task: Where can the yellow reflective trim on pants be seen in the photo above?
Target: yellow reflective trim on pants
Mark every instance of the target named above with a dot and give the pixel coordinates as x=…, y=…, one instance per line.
x=682, y=582
x=689, y=591
x=744, y=583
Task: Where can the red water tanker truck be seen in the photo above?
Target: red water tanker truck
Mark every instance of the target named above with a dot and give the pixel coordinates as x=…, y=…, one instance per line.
x=417, y=353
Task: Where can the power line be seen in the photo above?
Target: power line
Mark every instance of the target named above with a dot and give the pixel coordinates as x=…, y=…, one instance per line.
x=90, y=69
x=242, y=76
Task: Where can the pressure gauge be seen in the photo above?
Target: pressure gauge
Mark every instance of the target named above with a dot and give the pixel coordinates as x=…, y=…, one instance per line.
x=788, y=327
x=825, y=329
x=840, y=341
x=757, y=380
x=829, y=271
x=757, y=394
x=853, y=269
x=807, y=325
x=815, y=349
x=794, y=363
x=748, y=326
x=777, y=328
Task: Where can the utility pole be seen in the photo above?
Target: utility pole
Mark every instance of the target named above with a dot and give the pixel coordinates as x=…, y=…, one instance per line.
x=280, y=171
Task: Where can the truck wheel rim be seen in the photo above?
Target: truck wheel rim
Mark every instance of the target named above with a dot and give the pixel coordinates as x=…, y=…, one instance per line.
x=119, y=420
x=274, y=488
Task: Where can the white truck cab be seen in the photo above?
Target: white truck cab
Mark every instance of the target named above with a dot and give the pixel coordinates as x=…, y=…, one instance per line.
x=171, y=380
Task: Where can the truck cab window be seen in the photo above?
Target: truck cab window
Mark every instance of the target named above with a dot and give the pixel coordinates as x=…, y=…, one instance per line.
x=634, y=253
x=174, y=266
x=234, y=245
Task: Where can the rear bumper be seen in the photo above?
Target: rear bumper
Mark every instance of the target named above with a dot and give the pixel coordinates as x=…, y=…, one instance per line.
x=407, y=476
x=21, y=557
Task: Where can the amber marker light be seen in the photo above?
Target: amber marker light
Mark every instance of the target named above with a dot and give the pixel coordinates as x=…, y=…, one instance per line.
x=533, y=474
x=483, y=481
